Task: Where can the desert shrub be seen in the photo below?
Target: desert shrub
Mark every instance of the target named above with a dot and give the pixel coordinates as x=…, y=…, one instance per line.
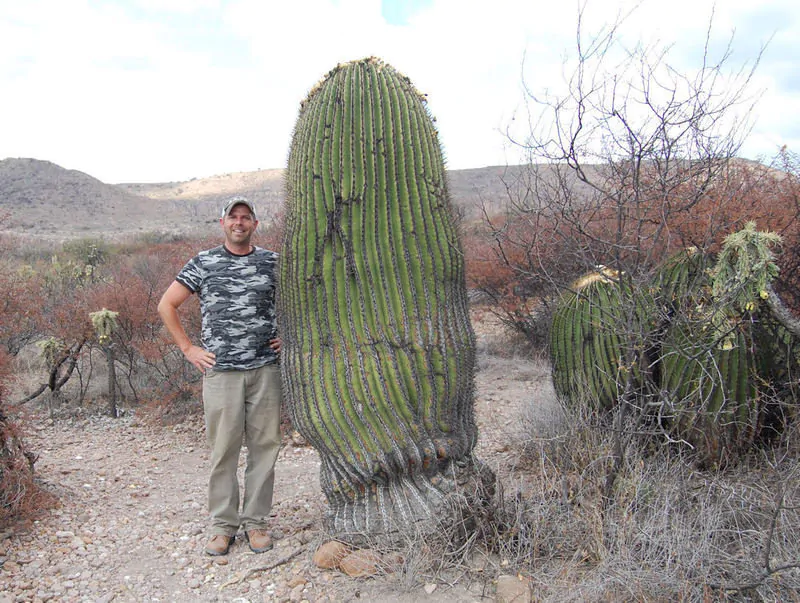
x=20, y=314
x=89, y=251
x=174, y=403
x=20, y=495
x=503, y=257
x=785, y=189
x=522, y=259
x=669, y=531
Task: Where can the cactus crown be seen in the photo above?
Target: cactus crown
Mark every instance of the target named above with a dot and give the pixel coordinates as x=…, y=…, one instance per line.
x=371, y=62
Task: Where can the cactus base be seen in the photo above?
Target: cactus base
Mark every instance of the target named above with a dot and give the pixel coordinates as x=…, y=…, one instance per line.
x=390, y=514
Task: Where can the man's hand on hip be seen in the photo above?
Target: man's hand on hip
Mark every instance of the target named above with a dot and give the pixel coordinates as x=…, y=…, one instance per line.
x=202, y=359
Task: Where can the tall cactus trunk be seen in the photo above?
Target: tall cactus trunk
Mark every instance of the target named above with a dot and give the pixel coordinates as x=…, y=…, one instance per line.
x=108, y=351
x=379, y=352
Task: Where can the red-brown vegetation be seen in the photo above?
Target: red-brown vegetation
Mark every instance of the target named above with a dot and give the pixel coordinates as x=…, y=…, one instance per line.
x=520, y=259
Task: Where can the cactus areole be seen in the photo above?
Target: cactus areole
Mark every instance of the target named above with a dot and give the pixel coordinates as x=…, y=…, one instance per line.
x=379, y=352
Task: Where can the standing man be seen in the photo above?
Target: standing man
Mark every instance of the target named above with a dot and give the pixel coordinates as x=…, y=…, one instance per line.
x=236, y=284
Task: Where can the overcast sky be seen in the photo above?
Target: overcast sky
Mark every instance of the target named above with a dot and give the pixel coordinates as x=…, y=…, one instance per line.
x=168, y=90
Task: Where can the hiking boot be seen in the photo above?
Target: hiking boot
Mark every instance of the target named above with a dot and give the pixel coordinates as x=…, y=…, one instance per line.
x=259, y=540
x=219, y=544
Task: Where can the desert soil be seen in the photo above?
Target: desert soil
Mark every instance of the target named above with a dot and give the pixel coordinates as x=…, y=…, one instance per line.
x=131, y=524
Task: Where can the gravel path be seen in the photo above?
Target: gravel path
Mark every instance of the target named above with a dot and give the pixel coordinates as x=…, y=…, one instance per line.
x=131, y=524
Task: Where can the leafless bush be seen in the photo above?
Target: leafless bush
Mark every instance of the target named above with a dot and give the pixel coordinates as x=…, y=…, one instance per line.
x=20, y=496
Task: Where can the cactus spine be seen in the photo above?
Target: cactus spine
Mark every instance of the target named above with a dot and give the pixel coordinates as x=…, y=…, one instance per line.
x=379, y=352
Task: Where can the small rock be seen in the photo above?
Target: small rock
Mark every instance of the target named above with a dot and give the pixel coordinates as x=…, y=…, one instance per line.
x=305, y=537
x=361, y=563
x=429, y=588
x=296, y=594
x=330, y=554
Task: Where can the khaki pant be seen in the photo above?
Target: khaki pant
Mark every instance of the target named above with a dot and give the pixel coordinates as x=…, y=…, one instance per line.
x=237, y=404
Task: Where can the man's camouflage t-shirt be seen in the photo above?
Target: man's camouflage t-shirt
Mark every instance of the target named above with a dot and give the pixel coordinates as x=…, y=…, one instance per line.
x=237, y=304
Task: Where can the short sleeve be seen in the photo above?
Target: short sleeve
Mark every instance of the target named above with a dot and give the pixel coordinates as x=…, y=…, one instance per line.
x=191, y=275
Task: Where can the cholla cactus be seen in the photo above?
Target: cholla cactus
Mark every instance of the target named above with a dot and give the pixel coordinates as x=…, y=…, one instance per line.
x=379, y=352
x=719, y=367
x=105, y=323
x=51, y=349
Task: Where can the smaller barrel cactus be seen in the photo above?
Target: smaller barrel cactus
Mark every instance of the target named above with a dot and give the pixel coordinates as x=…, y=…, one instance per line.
x=714, y=341
x=590, y=352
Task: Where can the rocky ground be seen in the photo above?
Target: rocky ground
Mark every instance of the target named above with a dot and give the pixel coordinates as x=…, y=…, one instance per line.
x=130, y=525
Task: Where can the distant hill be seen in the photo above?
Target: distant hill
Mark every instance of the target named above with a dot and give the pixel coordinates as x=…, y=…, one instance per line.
x=45, y=201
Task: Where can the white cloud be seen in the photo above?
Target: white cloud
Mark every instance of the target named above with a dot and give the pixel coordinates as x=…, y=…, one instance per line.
x=126, y=92
x=176, y=6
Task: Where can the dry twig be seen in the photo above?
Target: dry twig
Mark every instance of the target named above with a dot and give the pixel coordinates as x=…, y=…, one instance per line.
x=264, y=568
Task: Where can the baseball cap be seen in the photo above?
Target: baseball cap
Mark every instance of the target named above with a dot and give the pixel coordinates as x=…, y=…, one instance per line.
x=238, y=200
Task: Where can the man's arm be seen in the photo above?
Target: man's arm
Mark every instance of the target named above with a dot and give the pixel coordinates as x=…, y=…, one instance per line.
x=172, y=299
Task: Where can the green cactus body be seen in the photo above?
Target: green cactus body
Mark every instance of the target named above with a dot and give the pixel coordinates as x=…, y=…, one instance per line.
x=725, y=364
x=779, y=369
x=709, y=383
x=708, y=366
x=587, y=352
x=683, y=274
x=379, y=353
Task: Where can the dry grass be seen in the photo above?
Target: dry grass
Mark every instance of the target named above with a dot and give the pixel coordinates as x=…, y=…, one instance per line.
x=668, y=532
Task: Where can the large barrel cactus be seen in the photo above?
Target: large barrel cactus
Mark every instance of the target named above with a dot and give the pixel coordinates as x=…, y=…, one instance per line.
x=720, y=349
x=710, y=393
x=707, y=360
x=379, y=353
